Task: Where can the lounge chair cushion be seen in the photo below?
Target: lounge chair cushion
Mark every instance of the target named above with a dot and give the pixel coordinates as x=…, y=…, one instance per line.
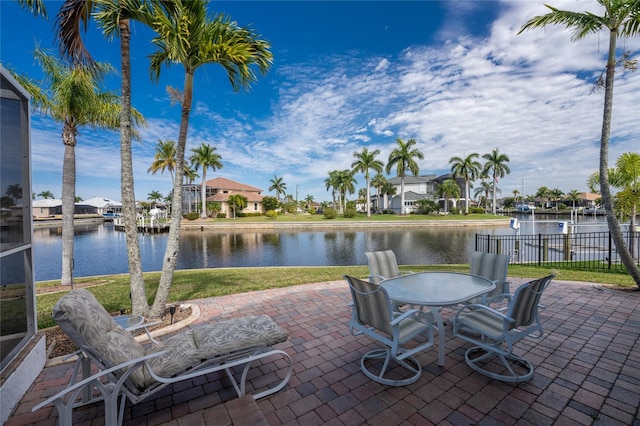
x=88, y=324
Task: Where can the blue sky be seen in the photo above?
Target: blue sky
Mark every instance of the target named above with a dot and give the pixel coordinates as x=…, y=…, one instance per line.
x=453, y=75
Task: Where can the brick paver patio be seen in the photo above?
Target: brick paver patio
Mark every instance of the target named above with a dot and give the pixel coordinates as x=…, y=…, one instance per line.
x=587, y=371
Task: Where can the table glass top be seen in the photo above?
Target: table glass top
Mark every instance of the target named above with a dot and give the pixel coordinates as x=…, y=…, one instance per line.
x=126, y=321
x=436, y=288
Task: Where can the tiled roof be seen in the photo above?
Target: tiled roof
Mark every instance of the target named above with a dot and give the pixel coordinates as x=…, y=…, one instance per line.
x=224, y=183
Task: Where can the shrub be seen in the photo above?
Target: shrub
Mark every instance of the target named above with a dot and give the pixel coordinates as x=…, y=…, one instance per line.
x=330, y=213
x=221, y=215
x=477, y=210
x=454, y=210
x=192, y=216
x=272, y=214
x=349, y=213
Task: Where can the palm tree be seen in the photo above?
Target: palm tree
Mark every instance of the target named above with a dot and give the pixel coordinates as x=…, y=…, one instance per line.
x=573, y=196
x=496, y=168
x=468, y=169
x=377, y=181
x=189, y=37
x=484, y=189
x=622, y=19
x=332, y=182
x=237, y=202
x=544, y=194
x=346, y=185
x=308, y=200
x=78, y=199
x=515, y=193
x=46, y=195
x=164, y=158
x=557, y=195
x=154, y=196
x=72, y=96
x=388, y=189
x=364, y=162
x=278, y=186
x=113, y=17
x=448, y=189
x=403, y=157
x=205, y=155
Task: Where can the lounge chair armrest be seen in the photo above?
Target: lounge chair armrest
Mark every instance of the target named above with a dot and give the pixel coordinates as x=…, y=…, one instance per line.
x=145, y=327
x=77, y=387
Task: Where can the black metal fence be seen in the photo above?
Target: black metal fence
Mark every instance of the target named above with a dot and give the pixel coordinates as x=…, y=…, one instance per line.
x=589, y=250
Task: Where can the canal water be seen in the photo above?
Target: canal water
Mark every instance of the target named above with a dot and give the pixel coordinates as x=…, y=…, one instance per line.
x=100, y=250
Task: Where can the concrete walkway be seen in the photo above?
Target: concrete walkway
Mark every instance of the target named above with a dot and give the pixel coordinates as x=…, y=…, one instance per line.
x=587, y=371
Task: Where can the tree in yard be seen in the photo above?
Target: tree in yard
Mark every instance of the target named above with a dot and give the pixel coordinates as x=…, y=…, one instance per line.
x=573, y=196
x=278, y=186
x=213, y=208
x=332, y=183
x=364, y=162
x=467, y=168
x=557, y=195
x=164, y=158
x=237, y=202
x=270, y=203
x=388, y=189
x=403, y=158
x=308, y=201
x=484, y=190
x=187, y=36
x=377, y=181
x=346, y=185
x=205, y=155
x=72, y=96
x=621, y=18
x=154, y=196
x=448, y=189
x=496, y=168
x=46, y=195
x=544, y=194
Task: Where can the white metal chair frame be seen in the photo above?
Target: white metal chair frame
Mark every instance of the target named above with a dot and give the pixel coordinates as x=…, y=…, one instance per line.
x=494, y=332
x=373, y=315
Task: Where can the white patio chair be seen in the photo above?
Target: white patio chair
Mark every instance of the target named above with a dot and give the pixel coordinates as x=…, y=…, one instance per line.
x=382, y=265
x=493, y=267
x=373, y=316
x=493, y=333
x=129, y=370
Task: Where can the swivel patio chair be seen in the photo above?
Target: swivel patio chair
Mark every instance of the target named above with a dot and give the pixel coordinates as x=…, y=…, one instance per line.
x=493, y=333
x=129, y=370
x=382, y=265
x=373, y=316
x=493, y=267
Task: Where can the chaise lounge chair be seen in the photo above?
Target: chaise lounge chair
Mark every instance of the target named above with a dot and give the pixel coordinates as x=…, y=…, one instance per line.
x=129, y=370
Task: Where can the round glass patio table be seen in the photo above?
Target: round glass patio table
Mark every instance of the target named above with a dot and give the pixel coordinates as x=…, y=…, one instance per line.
x=128, y=321
x=435, y=290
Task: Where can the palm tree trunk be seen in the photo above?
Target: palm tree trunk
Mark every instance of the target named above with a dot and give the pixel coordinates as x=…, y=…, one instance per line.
x=607, y=201
x=173, y=239
x=402, y=194
x=68, y=202
x=203, y=214
x=368, y=197
x=139, y=305
x=466, y=196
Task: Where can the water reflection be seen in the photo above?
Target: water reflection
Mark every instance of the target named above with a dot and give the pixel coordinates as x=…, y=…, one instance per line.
x=99, y=250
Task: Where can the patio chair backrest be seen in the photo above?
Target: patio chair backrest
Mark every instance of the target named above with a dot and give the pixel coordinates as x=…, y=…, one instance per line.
x=372, y=304
x=88, y=325
x=491, y=266
x=524, y=305
x=382, y=264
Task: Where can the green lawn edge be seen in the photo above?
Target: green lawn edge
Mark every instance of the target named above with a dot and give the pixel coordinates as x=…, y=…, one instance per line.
x=189, y=284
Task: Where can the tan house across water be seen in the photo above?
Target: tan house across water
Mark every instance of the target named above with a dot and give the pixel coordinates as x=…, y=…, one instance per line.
x=219, y=189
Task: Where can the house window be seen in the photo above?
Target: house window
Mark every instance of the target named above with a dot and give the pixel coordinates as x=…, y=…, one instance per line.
x=255, y=206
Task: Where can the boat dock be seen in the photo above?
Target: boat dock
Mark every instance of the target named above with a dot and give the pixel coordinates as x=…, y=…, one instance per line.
x=144, y=225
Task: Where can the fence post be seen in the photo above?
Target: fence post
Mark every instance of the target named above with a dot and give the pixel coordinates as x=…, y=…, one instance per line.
x=498, y=246
x=567, y=248
x=539, y=249
x=545, y=249
x=610, y=252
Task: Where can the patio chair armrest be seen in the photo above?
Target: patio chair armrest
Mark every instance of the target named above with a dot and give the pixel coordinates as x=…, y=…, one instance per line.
x=411, y=313
x=375, y=279
x=77, y=387
x=481, y=307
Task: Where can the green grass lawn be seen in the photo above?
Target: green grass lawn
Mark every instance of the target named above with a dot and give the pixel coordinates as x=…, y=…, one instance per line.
x=113, y=290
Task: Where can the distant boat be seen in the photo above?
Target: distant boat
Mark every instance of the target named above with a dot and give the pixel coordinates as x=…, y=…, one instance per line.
x=525, y=208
